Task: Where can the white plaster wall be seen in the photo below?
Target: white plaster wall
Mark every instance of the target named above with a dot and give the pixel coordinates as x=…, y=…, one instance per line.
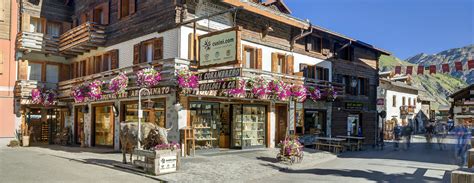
x=125, y=49
x=395, y=111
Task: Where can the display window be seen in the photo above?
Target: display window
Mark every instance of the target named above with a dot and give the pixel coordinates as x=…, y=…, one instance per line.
x=354, y=127
x=205, y=119
x=248, y=126
x=315, y=122
x=153, y=112
x=103, y=125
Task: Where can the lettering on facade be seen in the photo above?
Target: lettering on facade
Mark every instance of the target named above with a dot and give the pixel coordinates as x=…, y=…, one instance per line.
x=221, y=74
x=218, y=85
x=224, y=93
x=134, y=93
x=354, y=105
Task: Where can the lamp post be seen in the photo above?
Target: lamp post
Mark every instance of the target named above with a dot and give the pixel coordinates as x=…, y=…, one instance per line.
x=140, y=115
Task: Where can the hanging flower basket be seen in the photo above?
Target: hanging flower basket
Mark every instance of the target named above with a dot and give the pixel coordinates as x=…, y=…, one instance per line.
x=118, y=84
x=186, y=79
x=95, y=90
x=259, y=87
x=80, y=92
x=238, y=91
x=49, y=97
x=36, y=96
x=300, y=92
x=279, y=88
x=291, y=150
x=148, y=77
x=314, y=93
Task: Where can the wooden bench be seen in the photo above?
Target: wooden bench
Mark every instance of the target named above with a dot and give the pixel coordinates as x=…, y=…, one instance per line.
x=337, y=148
x=351, y=145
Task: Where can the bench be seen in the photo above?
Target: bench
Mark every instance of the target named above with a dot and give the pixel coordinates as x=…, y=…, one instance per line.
x=351, y=145
x=337, y=148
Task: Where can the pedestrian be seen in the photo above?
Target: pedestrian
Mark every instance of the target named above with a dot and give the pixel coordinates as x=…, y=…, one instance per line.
x=463, y=143
x=441, y=132
x=396, y=133
x=429, y=134
x=407, y=130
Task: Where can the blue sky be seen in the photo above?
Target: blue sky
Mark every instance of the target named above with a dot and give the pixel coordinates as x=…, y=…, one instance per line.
x=403, y=27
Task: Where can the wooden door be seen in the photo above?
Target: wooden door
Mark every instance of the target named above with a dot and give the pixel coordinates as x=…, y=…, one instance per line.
x=78, y=125
x=281, y=123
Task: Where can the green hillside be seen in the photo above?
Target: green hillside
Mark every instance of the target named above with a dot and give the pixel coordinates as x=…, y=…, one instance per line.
x=438, y=86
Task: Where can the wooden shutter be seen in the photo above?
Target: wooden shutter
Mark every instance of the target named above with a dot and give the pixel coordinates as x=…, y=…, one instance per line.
x=73, y=68
x=132, y=7
x=259, y=58
x=119, y=10
x=2, y=65
x=106, y=12
x=191, y=46
x=158, y=48
x=23, y=69
x=97, y=63
x=114, y=59
x=43, y=25
x=274, y=62
x=136, y=53
x=65, y=72
x=290, y=64
x=25, y=22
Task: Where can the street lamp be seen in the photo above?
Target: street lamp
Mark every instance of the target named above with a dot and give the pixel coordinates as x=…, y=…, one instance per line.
x=140, y=114
x=353, y=83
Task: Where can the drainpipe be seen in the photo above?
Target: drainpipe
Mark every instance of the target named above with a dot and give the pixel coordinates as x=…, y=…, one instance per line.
x=302, y=35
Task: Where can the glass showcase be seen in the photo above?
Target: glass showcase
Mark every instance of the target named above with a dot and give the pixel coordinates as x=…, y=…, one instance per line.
x=151, y=114
x=205, y=119
x=248, y=126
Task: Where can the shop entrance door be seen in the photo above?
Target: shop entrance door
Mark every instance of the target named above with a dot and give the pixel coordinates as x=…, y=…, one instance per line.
x=281, y=126
x=353, y=125
x=78, y=125
x=103, y=126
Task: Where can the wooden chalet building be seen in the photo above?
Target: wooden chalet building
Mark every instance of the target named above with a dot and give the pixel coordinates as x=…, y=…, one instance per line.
x=66, y=43
x=462, y=106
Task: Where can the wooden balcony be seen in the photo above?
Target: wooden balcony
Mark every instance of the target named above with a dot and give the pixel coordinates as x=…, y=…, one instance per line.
x=23, y=87
x=294, y=79
x=324, y=85
x=406, y=109
x=33, y=41
x=81, y=39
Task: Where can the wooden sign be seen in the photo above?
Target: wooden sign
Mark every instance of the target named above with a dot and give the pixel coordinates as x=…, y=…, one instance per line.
x=220, y=74
x=354, y=105
x=219, y=48
x=224, y=85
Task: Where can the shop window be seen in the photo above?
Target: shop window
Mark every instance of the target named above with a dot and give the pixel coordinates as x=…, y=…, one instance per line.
x=315, y=122
x=354, y=126
x=37, y=24
x=205, y=118
x=153, y=112
x=53, y=29
x=394, y=101
x=35, y=71
x=103, y=126
x=249, y=56
x=248, y=126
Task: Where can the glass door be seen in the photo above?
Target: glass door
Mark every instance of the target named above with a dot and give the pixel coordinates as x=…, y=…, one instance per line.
x=205, y=119
x=248, y=126
x=104, y=126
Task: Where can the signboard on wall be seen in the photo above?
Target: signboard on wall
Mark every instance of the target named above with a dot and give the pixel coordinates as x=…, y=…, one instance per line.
x=224, y=85
x=219, y=48
x=354, y=105
x=220, y=74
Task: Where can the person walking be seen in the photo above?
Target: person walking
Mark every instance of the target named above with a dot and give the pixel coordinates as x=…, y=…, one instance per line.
x=463, y=138
x=396, y=134
x=441, y=132
x=408, y=132
x=429, y=134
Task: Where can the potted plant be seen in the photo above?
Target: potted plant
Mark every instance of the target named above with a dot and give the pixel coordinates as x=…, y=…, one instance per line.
x=291, y=150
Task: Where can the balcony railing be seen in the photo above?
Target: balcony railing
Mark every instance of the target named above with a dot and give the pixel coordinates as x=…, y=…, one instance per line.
x=23, y=87
x=82, y=38
x=33, y=41
x=324, y=85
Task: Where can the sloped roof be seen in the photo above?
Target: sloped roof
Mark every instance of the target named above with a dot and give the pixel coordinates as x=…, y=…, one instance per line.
x=470, y=87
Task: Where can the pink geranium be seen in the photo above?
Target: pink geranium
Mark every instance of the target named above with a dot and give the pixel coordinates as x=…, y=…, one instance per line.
x=36, y=96
x=300, y=92
x=95, y=90
x=119, y=83
x=80, y=92
x=148, y=77
x=186, y=79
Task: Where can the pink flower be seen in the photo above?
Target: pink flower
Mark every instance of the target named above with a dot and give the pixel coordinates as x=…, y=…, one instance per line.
x=36, y=96
x=119, y=83
x=148, y=77
x=80, y=92
x=95, y=90
x=187, y=80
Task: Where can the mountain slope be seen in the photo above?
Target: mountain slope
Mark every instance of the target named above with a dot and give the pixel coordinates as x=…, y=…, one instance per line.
x=437, y=86
x=449, y=56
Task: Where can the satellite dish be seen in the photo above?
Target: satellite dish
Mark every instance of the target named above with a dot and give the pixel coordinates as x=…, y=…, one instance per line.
x=383, y=114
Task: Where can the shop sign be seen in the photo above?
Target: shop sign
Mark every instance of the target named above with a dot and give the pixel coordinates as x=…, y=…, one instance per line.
x=224, y=85
x=134, y=93
x=218, y=48
x=354, y=105
x=380, y=101
x=224, y=93
x=220, y=74
x=167, y=164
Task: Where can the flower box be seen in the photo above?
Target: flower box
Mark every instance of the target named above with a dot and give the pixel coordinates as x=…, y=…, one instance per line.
x=157, y=162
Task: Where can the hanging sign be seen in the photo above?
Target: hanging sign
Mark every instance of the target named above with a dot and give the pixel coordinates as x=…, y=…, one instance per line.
x=354, y=105
x=380, y=101
x=220, y=74
x=219, y=48
x=224, y=85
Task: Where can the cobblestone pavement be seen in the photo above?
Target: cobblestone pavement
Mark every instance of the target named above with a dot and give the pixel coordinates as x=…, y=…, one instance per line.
x=73, y=164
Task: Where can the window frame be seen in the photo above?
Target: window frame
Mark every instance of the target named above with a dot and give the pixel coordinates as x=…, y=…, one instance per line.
x=394, y=101
x=48, y=23
x=253, y=56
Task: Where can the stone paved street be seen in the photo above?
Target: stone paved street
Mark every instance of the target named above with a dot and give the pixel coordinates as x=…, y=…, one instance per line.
x=71, y=164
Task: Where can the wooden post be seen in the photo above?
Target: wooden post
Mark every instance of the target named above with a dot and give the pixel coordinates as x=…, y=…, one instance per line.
x=470, y=158
x=462, y=176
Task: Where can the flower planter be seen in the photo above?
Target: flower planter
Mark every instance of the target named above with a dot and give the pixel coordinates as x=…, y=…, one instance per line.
x=25, y=141
x=158, y=162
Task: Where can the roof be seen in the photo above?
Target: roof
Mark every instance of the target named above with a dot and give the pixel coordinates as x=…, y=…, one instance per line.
x=470, y=87
x=404, y=85
x=423, y=97
x=279, y=4
x=444, y=108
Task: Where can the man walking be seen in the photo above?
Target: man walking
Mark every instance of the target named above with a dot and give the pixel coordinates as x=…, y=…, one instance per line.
x=396, y=134
x=463, y=143
x=407, y=131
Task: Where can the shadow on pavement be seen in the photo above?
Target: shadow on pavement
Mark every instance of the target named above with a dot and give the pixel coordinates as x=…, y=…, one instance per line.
x=77, y=149
x=377, y=176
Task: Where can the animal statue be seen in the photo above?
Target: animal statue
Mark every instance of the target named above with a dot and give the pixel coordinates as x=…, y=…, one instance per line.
x=129, y=136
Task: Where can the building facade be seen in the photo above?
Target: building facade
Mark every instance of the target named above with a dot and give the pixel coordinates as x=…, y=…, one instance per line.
x=98, y=40
x=462, y=106
x=8, y=27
